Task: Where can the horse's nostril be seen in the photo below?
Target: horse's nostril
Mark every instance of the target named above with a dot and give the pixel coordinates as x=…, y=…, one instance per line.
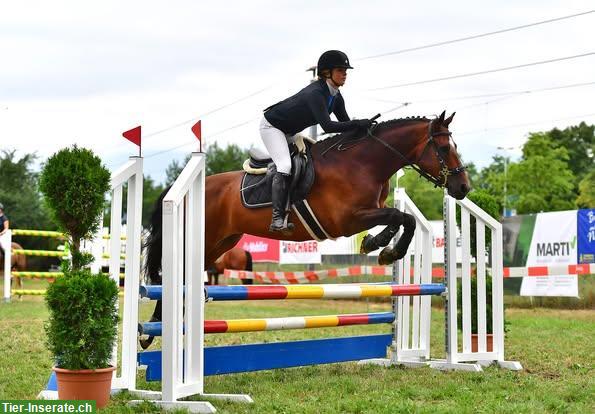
x=464, y=188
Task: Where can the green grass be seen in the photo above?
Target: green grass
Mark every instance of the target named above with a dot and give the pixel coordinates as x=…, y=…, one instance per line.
x=556, y=349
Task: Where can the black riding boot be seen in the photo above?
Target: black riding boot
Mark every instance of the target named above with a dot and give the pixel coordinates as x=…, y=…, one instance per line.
x=280, y=188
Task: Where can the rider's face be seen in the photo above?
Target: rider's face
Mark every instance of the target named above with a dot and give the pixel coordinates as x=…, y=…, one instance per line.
x=338, y=76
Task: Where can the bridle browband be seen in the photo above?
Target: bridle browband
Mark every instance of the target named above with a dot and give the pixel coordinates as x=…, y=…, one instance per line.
x=445, y=172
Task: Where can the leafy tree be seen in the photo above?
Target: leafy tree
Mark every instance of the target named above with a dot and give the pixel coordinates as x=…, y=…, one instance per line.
x=18, y=193
x=225, y=159
x=473, y=174
x=423, y=193
x=578, y=140
x=586, y=197
x=542, y=181
x=151, y=192
x=219, y=160
x=174, y=169
x=491, y=178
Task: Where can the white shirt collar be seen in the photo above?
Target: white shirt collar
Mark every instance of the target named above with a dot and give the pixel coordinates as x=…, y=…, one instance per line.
x=334, y=91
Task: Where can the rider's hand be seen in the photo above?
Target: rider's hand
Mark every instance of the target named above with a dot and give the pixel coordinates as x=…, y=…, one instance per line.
x=364, y=123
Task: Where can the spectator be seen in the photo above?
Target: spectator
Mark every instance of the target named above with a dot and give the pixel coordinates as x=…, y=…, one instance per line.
x=4, y=225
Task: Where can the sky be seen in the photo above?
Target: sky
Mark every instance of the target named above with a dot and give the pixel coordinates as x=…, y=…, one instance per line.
x=75, y=72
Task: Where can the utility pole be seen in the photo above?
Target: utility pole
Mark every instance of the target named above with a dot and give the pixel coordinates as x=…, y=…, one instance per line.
x=504, y=213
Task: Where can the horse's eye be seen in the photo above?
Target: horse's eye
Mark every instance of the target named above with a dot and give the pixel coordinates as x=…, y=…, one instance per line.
x=444, y=149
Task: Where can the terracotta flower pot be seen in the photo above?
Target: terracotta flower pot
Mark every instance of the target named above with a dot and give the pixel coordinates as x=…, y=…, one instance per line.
x=489, y=343
x=85, y=384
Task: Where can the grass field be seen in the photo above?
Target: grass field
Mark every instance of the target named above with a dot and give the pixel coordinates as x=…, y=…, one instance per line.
x=556, y=348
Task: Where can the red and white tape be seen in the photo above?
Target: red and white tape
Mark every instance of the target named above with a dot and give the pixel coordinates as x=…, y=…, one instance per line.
x=310, y=276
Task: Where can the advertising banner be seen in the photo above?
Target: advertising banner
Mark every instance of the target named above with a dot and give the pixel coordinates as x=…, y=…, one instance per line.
x=586, y=236
x=262, y=249
x=553, y=242
x=307, y=252
x=342, y=245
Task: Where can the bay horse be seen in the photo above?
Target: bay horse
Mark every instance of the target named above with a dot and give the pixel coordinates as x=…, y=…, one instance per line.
x=18, y=263
x=234, y=259
x=348, y=195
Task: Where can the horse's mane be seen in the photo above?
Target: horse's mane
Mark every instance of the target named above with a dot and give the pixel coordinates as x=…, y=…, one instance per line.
x=382, y=126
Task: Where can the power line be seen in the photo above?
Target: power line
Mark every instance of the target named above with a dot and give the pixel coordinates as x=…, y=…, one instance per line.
x=483, y=72
x=525, y=124
x=207, y=113
x=462, y=39
x=194, y=119
x=194, y=141
x=492, y=95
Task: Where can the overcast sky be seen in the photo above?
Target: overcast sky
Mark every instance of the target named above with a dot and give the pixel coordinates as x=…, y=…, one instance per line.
x=84, y=72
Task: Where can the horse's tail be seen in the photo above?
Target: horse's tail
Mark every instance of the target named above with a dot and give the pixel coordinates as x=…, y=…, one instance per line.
x=153, y=246
x=248, y=261
x=153, y=252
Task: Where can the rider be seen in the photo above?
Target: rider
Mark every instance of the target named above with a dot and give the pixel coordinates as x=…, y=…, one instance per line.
x=3, y=226
x=310, y=106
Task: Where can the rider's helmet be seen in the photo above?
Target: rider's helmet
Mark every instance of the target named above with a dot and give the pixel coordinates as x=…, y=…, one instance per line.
x=332, y=59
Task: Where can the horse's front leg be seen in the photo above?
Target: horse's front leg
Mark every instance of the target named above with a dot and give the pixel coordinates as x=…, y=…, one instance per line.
x=394, y=219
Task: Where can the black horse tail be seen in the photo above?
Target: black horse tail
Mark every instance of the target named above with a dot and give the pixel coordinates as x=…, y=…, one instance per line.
x=153, y=251
x=248, y=261
x=153, y=246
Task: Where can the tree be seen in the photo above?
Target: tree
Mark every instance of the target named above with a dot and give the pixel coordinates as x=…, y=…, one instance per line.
x=473, y=174
x=19, y=194
x=423, y=193
x=151, y=192
x=219, y=160
x=586, y=188
x=542, y=181
x=578, y=140
x=225, y=159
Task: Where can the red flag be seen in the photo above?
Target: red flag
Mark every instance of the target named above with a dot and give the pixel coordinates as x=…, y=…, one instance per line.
x=133, y=135
x=196, y=129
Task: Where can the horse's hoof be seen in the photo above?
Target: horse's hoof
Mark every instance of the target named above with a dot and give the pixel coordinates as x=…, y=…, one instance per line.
x=385, y=257
x=364, y=249
x=399, y=256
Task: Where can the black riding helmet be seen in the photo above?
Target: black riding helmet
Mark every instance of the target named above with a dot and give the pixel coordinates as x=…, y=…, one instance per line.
x=332, y=59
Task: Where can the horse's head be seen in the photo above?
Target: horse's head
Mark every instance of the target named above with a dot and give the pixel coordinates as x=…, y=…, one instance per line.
x=438, y=158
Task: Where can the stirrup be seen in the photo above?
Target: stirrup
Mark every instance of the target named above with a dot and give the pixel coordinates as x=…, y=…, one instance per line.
x=286, y=228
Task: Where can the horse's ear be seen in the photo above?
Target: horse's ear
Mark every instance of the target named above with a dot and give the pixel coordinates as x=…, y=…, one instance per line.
x=441, y=117
x=448, y=120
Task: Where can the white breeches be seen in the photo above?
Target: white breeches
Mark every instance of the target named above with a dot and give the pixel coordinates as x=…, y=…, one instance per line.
x=275, y=142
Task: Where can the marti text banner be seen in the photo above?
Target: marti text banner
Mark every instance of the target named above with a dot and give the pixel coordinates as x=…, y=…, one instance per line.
x=554, y=242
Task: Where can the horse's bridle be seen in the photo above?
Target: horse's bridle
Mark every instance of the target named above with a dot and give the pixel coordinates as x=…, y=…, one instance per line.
x=445, y=172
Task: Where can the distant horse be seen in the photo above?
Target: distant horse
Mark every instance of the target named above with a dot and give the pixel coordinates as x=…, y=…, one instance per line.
x=18, y=263
x=234, y=259
x=348, y=195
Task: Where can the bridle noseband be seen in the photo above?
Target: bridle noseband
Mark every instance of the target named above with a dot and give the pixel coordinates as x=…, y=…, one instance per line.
x=445, y=172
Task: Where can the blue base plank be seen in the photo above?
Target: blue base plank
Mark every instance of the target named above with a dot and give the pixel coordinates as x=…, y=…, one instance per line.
x=255, y=357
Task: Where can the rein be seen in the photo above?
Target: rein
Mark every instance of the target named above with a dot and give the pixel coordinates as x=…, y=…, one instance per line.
x=444, y=170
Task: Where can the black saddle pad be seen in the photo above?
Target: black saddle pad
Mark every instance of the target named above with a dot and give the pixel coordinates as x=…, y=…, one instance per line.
x=256, y=189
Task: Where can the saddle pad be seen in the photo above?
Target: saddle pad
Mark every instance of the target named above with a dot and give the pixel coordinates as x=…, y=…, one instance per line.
x=256, y=190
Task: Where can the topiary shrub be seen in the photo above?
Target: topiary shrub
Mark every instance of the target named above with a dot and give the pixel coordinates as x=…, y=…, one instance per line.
x=82, y=326
x=74, y=182
x=83, y=320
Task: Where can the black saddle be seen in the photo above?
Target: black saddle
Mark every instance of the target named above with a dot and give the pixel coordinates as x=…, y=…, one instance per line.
x=255, y=189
